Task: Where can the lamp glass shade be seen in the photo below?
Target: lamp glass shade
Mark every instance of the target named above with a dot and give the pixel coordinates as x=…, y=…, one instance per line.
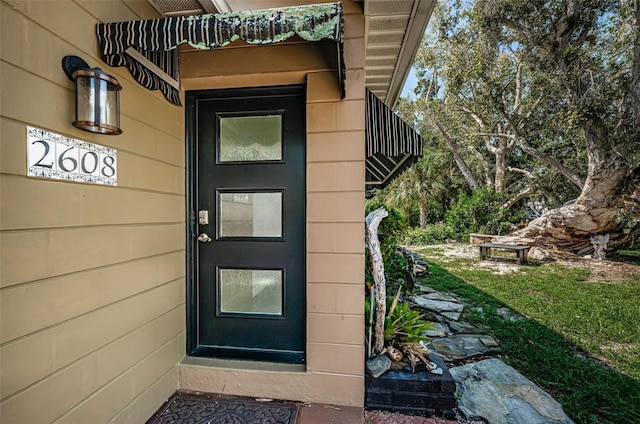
x=97, y=102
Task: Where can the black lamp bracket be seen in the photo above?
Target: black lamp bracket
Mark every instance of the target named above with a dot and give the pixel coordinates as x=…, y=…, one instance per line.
x=70, y=64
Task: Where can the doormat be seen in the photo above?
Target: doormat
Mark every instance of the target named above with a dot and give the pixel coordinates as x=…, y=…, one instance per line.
x=198, y=408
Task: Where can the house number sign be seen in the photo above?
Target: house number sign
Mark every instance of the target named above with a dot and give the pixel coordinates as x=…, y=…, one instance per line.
x=57, y=157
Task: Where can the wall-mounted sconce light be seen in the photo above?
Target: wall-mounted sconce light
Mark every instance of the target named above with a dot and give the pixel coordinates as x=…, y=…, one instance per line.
x=97, y=97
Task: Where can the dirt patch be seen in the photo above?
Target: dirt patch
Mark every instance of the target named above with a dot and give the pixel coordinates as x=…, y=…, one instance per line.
x=454, y=250
x=601, y=271
x=618, y=347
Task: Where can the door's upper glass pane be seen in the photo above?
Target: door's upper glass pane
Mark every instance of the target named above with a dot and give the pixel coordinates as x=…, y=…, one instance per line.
x=256, y=214
x=251, y=291
x=250, y=138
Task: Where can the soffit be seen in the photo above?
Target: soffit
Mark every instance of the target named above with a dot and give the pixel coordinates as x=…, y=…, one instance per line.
x=393, y=32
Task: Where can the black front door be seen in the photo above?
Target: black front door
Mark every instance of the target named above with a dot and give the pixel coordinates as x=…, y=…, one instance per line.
x=247, y=230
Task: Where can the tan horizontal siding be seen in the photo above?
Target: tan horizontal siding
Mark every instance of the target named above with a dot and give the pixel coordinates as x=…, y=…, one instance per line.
x=62, y=345
x=111, y=11
x=335, y=177
x=33, y=306
x=311, y=386
x=335, y=298
x=334, y=238
x=336, y=358
x=143, y=406
x=92, y=278
x=151, y=349
x=347, y=115
x=75, y=204
x=48, y=40
x=49, y=253
x=335, y=229
x=101, y=268
x=335, y=206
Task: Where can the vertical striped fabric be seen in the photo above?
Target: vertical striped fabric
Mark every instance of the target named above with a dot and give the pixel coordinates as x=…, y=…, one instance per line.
x=392, y=144
x=162, y=36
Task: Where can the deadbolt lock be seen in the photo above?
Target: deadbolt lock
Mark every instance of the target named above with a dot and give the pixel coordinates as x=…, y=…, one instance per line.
x=203, y=217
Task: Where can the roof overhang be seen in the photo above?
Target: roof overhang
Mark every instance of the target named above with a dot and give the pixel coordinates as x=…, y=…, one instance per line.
x=393, y=31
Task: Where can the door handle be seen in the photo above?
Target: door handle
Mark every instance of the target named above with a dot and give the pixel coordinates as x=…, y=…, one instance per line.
x=204, y=238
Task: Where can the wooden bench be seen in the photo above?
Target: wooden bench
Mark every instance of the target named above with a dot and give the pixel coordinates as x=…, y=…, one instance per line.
x=521, y=251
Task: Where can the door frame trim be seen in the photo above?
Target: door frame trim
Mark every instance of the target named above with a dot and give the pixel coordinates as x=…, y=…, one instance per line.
x=191, y=306
x=191, y=195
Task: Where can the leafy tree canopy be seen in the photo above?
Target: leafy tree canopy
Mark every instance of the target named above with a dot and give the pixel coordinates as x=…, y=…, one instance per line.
x=536, y=99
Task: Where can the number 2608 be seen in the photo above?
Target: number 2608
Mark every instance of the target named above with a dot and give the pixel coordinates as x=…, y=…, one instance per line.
x=71, y=159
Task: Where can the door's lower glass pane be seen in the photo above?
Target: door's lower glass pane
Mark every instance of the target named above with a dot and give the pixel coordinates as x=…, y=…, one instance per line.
x=250, y=291
x=250, y=214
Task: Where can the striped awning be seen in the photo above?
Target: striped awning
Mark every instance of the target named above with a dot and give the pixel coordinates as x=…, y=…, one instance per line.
x=392, y=144
x=148, y=46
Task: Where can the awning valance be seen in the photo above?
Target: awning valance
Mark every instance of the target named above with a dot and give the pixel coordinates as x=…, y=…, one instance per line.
x=392, y=144
x=156, y=39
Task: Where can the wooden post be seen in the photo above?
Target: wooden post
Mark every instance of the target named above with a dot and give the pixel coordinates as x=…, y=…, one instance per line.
x=377, y=269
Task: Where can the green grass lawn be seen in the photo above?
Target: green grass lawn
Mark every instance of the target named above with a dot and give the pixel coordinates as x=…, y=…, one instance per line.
x=570, y=320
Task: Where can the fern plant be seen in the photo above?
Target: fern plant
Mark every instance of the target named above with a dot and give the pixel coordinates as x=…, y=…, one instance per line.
x=404, y=325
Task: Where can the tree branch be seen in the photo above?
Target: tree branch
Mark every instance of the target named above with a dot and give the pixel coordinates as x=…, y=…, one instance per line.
x=490, y=147
x=551, y=161
x=485, y=165
x=462, y=165
x=533, y=107
x=518, y=94
x=523, y=193
x=520, y=29
x=475, y=117
x=521, y=171
x=501, y=135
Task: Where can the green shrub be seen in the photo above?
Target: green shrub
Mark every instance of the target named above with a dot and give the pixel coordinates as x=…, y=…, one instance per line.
x=394, y=224
x=433, y=234
x=481, y=212
x=435, y=213
x=391, y=227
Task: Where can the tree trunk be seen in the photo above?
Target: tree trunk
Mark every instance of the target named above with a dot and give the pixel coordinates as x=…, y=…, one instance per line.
x=635, y=71
x=609, y=203
x=606, y=204
x=377, y=270
x=423, y=215
x=602, y=208
x=501, y=156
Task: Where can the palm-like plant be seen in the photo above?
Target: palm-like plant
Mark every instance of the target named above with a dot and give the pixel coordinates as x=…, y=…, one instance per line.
x=420, y=184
